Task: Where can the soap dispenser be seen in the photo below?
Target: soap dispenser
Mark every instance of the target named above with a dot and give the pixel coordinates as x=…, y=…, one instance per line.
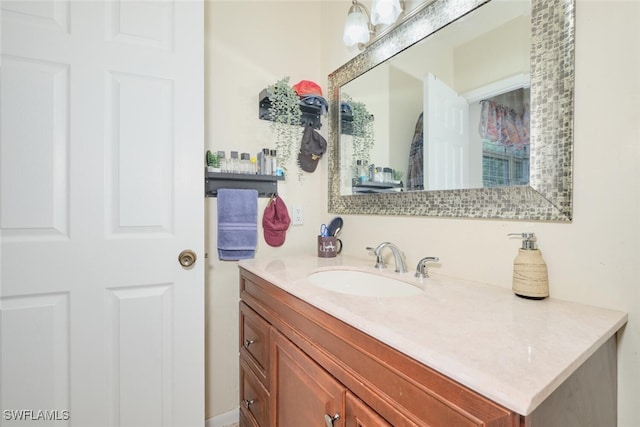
x=530, y=279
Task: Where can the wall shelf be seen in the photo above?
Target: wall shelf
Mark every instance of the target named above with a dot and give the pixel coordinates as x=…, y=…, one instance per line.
x=266, y=185
x=377, y=187
x=310, y=113
x=346, y=122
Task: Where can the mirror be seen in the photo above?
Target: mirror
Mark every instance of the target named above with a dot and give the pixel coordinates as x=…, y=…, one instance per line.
x=428, y=102
x=541, y=71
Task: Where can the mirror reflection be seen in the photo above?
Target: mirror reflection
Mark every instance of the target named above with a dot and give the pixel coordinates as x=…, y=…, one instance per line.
x=450, y=112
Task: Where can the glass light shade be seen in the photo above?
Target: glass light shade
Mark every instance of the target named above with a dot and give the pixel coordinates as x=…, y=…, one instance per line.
x=385, y=11
x=356, y=29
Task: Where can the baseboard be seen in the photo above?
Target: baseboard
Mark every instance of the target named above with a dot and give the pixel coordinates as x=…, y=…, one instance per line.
x=225, y=419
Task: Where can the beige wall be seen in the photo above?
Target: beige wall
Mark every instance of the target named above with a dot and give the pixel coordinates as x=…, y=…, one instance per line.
x=475, y=65
x=594, y=260
x=250, y=45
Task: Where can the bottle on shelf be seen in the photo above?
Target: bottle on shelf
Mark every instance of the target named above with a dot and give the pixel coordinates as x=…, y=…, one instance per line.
x=274, y=162
x=245, y=163
x=234, y=162
x=361, y=172
x=388, y=175
x=267, y=162
x=223, y=161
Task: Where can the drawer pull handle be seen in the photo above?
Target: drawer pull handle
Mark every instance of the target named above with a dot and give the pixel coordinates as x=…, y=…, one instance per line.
x=328, y=419
x=247, y=343
x=248, y=402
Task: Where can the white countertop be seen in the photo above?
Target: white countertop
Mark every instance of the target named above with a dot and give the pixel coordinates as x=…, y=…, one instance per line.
x=514, y=351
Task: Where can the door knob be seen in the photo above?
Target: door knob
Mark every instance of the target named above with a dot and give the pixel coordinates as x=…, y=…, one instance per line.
x=187, y=258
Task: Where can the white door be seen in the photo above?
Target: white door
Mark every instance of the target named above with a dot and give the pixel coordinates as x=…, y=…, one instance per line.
x=446, y=137
x=101, y=188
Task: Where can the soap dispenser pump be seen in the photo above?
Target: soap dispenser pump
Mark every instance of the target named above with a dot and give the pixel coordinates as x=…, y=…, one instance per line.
x=530, y=279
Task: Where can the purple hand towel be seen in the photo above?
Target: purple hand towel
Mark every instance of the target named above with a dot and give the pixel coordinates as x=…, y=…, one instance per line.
x=237, y=224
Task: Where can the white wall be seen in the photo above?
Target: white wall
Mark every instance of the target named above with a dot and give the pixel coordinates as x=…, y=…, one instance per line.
x=593, y=260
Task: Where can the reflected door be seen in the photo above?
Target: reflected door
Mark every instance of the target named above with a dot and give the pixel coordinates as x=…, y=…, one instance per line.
x=101, y=189
x=445, y=136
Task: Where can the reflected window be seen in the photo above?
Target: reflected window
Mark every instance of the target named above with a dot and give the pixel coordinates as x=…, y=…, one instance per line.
x=504, y=132
x=503, y=166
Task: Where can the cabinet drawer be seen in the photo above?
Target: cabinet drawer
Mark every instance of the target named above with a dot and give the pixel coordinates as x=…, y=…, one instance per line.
x=254, y=404
x=254, y=342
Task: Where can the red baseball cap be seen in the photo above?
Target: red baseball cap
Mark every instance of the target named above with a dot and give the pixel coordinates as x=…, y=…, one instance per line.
x=275, y=222
x=305, y=88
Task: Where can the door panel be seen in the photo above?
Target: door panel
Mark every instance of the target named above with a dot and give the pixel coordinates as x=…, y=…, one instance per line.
x=38, y=117
x=139, y=354
x=140, y=151
x=147, y=24
x=100, y=189
x=36, y=329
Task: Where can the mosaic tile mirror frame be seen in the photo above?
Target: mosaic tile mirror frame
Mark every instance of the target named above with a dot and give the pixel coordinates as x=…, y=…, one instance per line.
x=548, y=197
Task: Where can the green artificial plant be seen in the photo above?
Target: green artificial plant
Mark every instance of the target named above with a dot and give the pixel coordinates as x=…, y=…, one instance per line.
x=286, y=114
x=213, y=159
x=363, y=136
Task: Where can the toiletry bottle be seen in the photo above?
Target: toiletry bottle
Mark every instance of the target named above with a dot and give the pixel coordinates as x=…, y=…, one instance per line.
x=274, y=162
x=223, y=161
x=245, y=163
x=234, y=164
x=267, y=162
x=254, y=166
x=260, y=163
x=530, y=279
x=388, y=175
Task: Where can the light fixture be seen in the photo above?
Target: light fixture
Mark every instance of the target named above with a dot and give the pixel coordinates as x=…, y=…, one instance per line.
x=385, y=11
x=359, y=26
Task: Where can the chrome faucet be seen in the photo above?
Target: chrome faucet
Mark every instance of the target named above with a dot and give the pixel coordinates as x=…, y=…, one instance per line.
x=421, y=268
x=401, y=267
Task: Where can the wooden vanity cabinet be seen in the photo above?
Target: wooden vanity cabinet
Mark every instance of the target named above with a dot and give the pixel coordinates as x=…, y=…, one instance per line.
x=317, y=366
x=302, y=392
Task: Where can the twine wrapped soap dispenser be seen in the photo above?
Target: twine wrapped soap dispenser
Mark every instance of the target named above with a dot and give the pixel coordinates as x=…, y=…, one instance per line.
x=530, y=279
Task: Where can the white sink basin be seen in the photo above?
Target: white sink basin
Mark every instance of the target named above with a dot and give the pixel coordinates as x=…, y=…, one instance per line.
x=362, y=283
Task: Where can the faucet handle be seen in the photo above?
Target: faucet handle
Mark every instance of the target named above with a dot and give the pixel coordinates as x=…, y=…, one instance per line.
x=380, y=265
x=421, y=268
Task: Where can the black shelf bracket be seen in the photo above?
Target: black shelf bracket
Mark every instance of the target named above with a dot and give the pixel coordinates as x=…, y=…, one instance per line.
x=267, y=185
x=346, y=122
x=310, y=113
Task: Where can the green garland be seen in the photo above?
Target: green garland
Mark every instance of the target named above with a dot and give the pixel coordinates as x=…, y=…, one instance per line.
x=363, y=136
x=286, y=114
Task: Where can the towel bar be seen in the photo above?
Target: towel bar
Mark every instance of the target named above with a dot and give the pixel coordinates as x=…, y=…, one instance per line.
x=267, y=185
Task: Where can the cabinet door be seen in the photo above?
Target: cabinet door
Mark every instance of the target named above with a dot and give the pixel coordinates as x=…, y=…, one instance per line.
x=302, y=393
x=358, y=414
